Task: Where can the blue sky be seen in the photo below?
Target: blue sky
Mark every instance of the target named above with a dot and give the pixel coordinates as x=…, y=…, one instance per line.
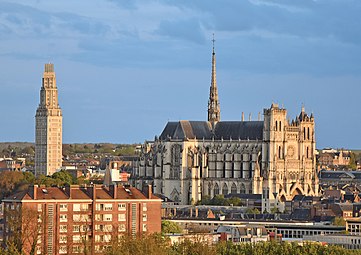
x=124, y=68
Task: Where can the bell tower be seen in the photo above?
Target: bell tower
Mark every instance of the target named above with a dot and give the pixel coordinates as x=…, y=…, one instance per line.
x=214, y=111
x=48, y=126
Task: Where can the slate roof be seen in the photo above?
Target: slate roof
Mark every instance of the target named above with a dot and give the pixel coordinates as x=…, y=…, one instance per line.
x=326, y=174
x=244, y=130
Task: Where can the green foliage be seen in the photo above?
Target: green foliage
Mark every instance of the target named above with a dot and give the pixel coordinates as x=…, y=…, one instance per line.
x=60, y=178
x=220, y=200
x=169, y=227
x=195, y=247
x=159, y=245
x=153, y=244
x=339, y=221
x=352, y=163
x=253, y=211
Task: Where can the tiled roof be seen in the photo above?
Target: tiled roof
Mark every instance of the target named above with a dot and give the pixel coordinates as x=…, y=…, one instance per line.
x=77, y=192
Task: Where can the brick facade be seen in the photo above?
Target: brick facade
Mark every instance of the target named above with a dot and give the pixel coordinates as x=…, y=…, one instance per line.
x=71, y=219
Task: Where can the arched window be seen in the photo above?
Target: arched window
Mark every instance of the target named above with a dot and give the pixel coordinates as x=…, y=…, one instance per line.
x=225, y=189
x=216, y=189
x=280, y=126
x=276, y=125
x=307, y=153
x=234, y=189
x=209, y=189
x=242, y=189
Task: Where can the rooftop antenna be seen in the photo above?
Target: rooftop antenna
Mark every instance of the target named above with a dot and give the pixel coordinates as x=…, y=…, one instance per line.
x=213, y=40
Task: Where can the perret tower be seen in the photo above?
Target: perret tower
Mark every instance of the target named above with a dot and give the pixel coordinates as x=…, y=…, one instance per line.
x=48, y=126
x=214, y=111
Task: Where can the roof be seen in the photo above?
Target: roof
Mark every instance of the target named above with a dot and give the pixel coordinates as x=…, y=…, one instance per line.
x=327, y=174
x=187, y=129
x=77, y=192
x=243, y=130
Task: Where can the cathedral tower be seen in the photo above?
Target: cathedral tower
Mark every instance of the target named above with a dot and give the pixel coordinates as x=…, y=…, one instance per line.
x=214, y=111
x=48, y=126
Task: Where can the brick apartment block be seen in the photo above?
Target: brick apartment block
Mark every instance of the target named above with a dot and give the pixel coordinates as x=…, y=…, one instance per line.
x=68, y=220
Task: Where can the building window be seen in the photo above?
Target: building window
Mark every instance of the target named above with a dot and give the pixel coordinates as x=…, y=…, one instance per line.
x=63, y=207
x=63, y=239
x=63, y=228
x=144, y=227
x=121, y=217
x=122, y=207
x=76, y=239
x=85, y=207
x=62, y=250
x=40, y=207
x=144, y=217
x=108, y=228
x=77, y=249
x=76, y=207
x=98, y=217
x=63, y=218
x=121, y=228
x=99, y=207
x=108, y=217
x=144, y=207
x=108, y=207
x=76, y=228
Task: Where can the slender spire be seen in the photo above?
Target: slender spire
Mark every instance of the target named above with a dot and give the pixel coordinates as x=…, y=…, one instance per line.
x=214, y=110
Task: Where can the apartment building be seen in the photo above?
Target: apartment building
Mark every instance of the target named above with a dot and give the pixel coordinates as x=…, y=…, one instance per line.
x=73, y=219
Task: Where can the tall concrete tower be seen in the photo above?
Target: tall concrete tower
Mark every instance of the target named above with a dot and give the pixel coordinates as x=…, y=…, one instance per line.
x=48, y=126
x=214, y=111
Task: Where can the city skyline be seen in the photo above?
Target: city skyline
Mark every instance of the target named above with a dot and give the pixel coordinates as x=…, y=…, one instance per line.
x=124, y=70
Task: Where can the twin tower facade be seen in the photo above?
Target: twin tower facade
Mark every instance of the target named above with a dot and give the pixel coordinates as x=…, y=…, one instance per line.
x=48, y=126
x=274, y=157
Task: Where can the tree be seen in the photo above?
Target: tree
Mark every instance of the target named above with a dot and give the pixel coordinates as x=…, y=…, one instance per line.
x=253, y=211
x=153, y=244
x=24, y=224
x=339, y=221
x=63, y=178
x=169, y=227
x=352, y=163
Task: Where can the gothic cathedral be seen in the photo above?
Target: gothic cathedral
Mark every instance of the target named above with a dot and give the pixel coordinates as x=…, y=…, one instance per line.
x=48, y=126
x=192, y=159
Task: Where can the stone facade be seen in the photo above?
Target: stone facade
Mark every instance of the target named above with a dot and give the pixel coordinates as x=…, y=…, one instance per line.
x=48, y=127
x=193, y=159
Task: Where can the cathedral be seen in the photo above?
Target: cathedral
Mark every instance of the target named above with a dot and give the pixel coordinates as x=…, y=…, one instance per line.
x=48, y=126
x=274, y=157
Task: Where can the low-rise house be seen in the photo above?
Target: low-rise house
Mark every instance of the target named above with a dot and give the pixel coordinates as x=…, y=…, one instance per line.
x=241, y=234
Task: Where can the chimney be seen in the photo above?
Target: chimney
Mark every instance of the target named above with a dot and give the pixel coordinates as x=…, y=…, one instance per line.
x=242, y=116
x=149, y=191
x=113, y=190
x=94, y=191
x=33, y=190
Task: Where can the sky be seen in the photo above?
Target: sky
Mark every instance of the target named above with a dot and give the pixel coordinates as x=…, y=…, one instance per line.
x=126, y=68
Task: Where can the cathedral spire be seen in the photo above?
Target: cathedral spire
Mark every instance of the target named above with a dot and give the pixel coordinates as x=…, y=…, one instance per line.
x=214, y=110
